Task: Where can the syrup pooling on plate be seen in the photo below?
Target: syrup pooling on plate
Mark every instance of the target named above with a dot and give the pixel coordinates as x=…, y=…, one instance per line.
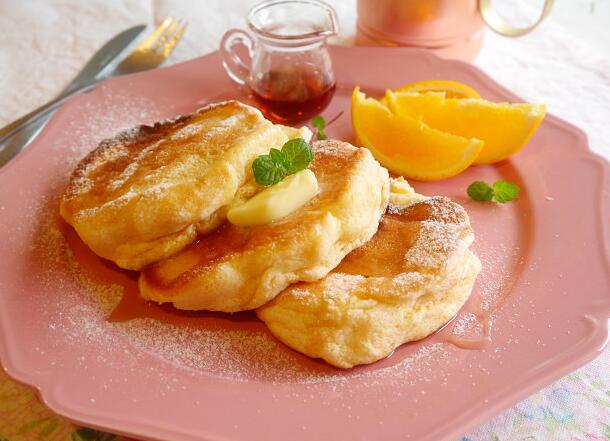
x=409, y=279
x=503, y=240
x=303, y=246
x=238, y=348
x=438, y=240
x=430, y=252
x=199, y=342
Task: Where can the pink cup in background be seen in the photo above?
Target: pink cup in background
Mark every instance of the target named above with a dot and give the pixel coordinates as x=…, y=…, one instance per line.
x=450, y=28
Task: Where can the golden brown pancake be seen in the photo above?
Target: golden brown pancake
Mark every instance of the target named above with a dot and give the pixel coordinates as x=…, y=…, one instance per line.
x=144, y=194
x=238, y=268
x=411, y=278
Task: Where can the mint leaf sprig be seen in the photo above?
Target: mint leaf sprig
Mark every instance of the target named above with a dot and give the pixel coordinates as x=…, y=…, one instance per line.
x=296, y=155
x=500, y=191
x=320, y=124
x=480, y=191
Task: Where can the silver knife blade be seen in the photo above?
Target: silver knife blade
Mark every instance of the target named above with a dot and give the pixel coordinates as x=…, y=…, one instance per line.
x=105, y=57
x=102, y=61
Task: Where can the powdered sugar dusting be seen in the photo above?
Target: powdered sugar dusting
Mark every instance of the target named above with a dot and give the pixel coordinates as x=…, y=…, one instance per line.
x=434, y=241
x=133, y=166
x=340, y=286
x=332, y=147
x=240, y=355
x=447, y=233
x=466, y=324
x=104, y=118
x=57, y=257
x=497, y=276
x=84, y=304
x=409, y=280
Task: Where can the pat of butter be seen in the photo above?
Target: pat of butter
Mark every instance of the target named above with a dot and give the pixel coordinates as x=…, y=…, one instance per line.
x=292, y=132
x=277, y=201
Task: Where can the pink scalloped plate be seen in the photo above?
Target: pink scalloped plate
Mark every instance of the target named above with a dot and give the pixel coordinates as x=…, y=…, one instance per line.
x=73, y=328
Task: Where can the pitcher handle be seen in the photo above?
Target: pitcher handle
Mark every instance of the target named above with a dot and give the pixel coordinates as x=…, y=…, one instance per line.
x=497, y=24
x=236, y=67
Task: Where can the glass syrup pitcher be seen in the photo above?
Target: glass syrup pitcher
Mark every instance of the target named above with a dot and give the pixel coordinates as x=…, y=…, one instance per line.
x=288, y=68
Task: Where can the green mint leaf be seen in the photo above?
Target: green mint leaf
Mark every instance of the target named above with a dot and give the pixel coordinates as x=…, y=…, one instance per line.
x=501, y=191
x=480, y=191
x=267, y=171
x=320, y=124
x=277, y=156
x=297, y=155
x=505, y=191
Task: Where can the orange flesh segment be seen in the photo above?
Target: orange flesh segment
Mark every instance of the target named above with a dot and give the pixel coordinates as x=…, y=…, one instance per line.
x=452, y=89
x=407, y=146
x=505, y=128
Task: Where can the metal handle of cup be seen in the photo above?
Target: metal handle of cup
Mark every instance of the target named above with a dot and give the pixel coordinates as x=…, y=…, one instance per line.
x=499, y=25
x=236, y=67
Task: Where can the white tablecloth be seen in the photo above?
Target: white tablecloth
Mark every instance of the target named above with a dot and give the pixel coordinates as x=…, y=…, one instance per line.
x=44, y=43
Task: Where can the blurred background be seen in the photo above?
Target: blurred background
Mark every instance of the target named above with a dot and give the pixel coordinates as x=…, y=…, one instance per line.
x=589, y=19
x=45, y=42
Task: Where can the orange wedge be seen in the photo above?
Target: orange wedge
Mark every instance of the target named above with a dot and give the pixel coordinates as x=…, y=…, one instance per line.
x=406, y=145
x=452, y=89
x=505, y=128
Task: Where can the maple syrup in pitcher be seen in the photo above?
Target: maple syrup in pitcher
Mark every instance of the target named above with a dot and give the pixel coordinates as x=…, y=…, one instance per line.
x=292, y=95
x=289, y=70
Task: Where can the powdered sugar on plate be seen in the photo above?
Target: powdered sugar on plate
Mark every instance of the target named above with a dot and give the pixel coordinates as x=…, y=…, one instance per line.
x=104, y=118
x=203, y=346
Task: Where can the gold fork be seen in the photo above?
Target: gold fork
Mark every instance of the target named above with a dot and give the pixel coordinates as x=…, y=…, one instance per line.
x=155, y=49
x=150, y=53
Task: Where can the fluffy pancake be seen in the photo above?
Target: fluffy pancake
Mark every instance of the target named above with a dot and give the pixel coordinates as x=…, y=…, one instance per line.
x=144, y=194
x=407, y=281
x=238, y=268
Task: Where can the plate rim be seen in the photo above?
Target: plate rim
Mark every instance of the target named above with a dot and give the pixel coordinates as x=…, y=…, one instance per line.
x=43, y=384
